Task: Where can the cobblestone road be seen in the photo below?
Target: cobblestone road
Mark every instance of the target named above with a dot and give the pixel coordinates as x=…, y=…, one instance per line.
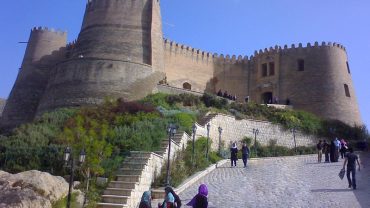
x=284, y=182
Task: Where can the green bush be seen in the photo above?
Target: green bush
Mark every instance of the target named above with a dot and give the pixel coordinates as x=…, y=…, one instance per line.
x=185, y=165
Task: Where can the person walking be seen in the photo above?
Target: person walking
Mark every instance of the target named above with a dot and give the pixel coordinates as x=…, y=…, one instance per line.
x=326, y=151
x=201, y=199
x=234, y=154
x=337, y=147
x=319, y=147
x=245, y=154
x=333, y=152
x=350, y=160
x=343, y=148
x=146, y=200
x=169, y=189
x=169, y=201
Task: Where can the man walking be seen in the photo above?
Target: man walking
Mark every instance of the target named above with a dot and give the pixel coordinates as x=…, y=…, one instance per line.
x=245, y=153
x=351, y=160
x=234, y=154
x=319, y=147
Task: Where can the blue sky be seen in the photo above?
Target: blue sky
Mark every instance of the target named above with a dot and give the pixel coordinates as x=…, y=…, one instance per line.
x=220, y=26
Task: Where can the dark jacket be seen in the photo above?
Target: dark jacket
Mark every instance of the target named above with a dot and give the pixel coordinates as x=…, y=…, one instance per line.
x=245, y=150
x=201, y=201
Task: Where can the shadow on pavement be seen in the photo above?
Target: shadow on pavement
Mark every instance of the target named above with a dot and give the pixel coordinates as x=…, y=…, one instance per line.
x=363, y=180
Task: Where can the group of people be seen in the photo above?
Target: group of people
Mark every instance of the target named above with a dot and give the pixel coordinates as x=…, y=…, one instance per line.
x=226, y=95
x=333, y=150
x=234, y=154
x=172, y=200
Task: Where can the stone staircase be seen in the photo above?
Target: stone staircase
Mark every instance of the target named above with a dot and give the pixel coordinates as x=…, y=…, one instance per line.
x=206, y=119
x=132, y=179
x=137, y=174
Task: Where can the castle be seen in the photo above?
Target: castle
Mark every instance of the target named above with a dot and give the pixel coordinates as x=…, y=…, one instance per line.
x=121, y=52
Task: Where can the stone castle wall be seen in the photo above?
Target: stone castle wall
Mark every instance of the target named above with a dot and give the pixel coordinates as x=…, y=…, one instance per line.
x=45, y=47
x=2, y=105
x=235, y=130
x=120, y=52
x=112, y=53
x=318, y=88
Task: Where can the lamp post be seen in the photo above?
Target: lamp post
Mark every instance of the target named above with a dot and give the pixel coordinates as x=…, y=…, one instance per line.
x=171, y=130
x=255, y=132
x=293, y=130
x=208, y=128
x=70, y=162
x=219, y=140
x=193, y=155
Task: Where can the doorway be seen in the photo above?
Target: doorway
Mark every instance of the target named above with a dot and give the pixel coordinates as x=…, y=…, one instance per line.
x=266, y=98
x=186, y=86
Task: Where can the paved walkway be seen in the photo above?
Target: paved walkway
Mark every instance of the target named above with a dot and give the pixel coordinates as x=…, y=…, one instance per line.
x=284, y=182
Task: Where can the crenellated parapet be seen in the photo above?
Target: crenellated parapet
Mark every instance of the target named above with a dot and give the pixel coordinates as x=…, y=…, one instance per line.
x=48, y=30
x=294, y=47
x=174, y=47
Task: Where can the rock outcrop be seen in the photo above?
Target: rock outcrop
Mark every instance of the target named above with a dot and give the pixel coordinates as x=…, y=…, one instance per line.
x=30, y=189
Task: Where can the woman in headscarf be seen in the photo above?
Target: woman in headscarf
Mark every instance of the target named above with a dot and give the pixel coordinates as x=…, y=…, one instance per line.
x=146, y=200
x=169, y=201
x=201, y=199
x=169, y=189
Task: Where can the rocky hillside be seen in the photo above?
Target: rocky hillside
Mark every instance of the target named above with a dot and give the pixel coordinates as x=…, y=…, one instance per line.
x=2, y=104
x=31, y=189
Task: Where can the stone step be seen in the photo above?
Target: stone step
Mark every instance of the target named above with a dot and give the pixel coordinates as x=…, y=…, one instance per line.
x=115, y=199
x=117, y=192
x=128, y=178
x=137, y=159
x=127, y=171
x=122, y=185
x=159, y=152
x=134, y=165
x=111, y=205
x=140, y=154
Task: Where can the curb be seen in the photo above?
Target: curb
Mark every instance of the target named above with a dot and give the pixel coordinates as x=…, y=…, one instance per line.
x=190, y=181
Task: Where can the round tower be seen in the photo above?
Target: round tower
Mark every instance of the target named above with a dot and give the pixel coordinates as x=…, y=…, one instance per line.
x=111, y=58
x=317, y=79
x=44, y=49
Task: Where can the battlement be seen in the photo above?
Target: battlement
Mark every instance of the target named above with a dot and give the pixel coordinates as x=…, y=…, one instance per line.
x=293, y=47
x=49, y=30
x=173, y=46
x=91, y=4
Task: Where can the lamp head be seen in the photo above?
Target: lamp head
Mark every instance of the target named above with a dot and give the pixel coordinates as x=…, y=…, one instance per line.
x=67, y=154
x=82, y=156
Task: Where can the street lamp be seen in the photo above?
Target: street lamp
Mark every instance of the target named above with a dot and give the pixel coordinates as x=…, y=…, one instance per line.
x=171, y=130
x=219, y=140
x=208, y=128
x=70, y=162
x=193, y=155
x=255, y=132
x=293, y=130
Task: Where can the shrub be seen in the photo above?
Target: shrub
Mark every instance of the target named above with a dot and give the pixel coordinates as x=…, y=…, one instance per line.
x=213, y=101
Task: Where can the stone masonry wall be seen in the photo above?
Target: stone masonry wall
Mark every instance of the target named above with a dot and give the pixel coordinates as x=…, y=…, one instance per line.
x=236, y=130
x=2, y=104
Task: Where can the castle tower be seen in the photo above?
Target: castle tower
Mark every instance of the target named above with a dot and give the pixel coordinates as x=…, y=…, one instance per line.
x=118, y=53
x=315, y=78
x=43, y=49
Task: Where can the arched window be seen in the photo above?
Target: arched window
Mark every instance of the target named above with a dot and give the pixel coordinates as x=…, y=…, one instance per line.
x=186, y=86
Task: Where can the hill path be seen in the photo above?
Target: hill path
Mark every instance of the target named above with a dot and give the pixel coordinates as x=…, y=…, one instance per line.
x=284, y=182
